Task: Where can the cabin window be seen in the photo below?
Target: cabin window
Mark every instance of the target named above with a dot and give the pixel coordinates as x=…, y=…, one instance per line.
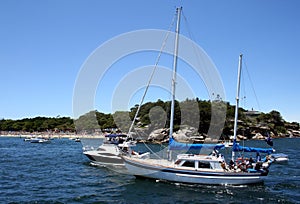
x=203, y=165
x=100, y=149
x=178, y=162
x=189, y=164
x=216, y=165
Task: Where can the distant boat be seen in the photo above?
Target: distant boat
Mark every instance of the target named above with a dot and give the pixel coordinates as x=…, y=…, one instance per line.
x=39, y=140
x=27, y=139
x=227, y=143
x=77, y=139
x=200, y=169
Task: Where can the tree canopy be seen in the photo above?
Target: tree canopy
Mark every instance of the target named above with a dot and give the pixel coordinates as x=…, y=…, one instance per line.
x=39, y=124
x=155, y=114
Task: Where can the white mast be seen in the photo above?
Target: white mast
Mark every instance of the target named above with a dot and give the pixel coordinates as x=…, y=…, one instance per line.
x=178, y=12
x=237, y=104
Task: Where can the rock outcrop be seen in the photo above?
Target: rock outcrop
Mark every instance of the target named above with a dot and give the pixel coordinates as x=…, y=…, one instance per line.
x=158, y=135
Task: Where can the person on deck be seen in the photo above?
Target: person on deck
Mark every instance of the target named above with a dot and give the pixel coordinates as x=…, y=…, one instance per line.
x=258, y=158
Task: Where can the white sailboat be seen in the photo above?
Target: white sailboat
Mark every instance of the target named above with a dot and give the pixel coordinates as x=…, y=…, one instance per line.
x=198, y=169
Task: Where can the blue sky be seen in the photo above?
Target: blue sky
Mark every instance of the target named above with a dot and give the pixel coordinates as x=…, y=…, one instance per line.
x=45, y=43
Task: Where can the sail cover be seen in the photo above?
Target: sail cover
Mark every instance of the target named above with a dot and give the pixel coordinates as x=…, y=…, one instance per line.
x=237, y=148
x=174, y=145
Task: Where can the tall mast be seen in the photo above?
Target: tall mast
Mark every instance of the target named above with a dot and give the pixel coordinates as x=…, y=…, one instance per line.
x=178, y=13
x=237, y=105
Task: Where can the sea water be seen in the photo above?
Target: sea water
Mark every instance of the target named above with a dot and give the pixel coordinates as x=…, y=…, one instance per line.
x=58, y=172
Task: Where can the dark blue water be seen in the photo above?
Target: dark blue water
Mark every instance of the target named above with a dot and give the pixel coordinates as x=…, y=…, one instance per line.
x=59, y=173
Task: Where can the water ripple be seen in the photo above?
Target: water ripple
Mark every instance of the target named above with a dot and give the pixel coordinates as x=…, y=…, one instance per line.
x=59, y=173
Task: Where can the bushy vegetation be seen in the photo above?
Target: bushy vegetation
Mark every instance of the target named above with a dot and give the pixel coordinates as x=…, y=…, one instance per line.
x=38, y=124
x=153, y=111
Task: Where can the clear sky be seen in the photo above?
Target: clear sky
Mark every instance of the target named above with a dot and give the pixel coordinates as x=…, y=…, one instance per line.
x=43, y=45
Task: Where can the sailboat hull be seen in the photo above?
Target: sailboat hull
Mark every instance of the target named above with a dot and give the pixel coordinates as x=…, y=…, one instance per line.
x=177, y=175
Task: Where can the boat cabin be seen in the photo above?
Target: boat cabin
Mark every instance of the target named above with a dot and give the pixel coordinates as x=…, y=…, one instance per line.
x=199, y=162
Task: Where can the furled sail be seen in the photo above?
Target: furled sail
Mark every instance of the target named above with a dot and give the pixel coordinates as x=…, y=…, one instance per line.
x=237, y=148
x=174, y=145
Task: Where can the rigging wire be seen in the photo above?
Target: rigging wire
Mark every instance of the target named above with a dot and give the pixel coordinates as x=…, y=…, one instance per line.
x=252, y=86
x=243, y=98
x=151, y=77
x=198, y=57
x=244, y=90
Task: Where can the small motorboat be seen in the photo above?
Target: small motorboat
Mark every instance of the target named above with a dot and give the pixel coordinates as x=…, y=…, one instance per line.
x=279, y=158
x=27, y=139
x=77, y=139
x=109, y=152
x=39, y=140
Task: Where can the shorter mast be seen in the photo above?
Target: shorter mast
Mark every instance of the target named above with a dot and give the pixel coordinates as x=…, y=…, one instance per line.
x=237, y=106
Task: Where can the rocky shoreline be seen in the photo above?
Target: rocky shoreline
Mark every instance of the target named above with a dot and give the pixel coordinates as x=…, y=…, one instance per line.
x=191, y=135
x=185, y=134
